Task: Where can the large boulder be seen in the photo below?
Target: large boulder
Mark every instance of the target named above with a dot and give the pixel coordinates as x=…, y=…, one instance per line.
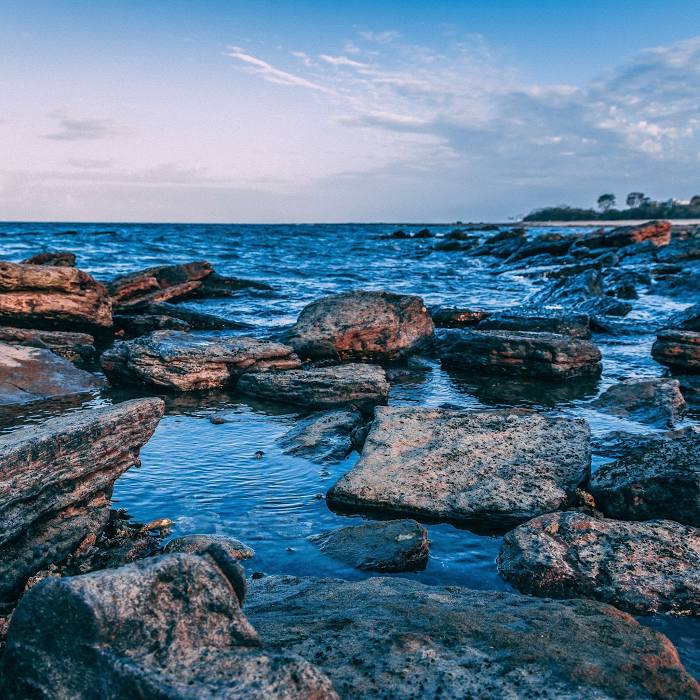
x=575, y=325
x=76, y=347
x=359, y=385
x=520, y=353
x=483, y=468
x=658, y=479
x=365, y=326
x=396, y=638
x=56, y=480
x=678, y=349
x=48, y=297
x=656, y=232
x=165, y=628
x=180, y=361
x=640, y=567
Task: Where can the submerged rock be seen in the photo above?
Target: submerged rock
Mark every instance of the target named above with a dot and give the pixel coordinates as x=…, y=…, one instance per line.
x=392, y=637
x=575, y=325
x=184, y=362
x=641, y=567
x=362, y=326
x=483, y=468
x=520, y=353
x=57, y=258
x=199, y=544
x=679, y=350
x=360, y=385
x=456, y=317
x=75, y=347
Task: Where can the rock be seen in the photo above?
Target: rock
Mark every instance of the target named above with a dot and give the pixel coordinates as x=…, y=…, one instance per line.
x=657, y=479
x=679, y=350
x=685, y=285
x=575, y=325
x=34, y=374
x=519, y=353
x=552, y=244
x=216, y=285
x=58, y=258
x=680, y=251
x=623, y=283
x=56, y=480
x=363, y=386
x=142, y=324
x=424, y=233
x=63, y=298
x=390, y=546
x=197, y=320
x=486, y=469
x=687, y=320
x=362, y=326
x=76, y=347
x=165, y=628
x=655, y=401
x=199, y=544
x=323, y=437
x=184, y=362
x=451, y=317
x=397, y=638
x=642, y=568
x=657, y=232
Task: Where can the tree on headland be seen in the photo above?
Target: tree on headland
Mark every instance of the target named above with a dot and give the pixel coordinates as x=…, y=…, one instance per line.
x=606, y=201
x=695, y=201
x=636, y=199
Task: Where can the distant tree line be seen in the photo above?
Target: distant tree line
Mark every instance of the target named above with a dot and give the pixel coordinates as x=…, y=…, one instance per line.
x=639, y=206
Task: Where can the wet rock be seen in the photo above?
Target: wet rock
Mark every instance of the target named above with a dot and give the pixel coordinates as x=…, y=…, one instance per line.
x=34, y=374
x=129, y=326
x=215, y=285
x=640, y=567
x=199, y=544
x=63, y=298
x=680, y=251
x=392, y=637
x=654, y=401
x=684, y=285
x=75, y=347
x=363, y=386
x=424, y=233
x=196, y=320
x=519, y=353
x=687, y=320
x=575, y=325
x=502, y=244
x=657, y=232
x=656, y=479
x=620, y=443
x=323, y=437
x=166, y=628
x=389, y=546
x=184, y=362
x=362, y=326
x=487, y=469
x=57, y=258
x=677, y=349
x=56, y=480
x=623, y=283
x=456, y=317
x=551, y=244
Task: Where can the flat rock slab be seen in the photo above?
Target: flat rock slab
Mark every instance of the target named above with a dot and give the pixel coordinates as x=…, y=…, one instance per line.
x=678, y=349
x=363, y=386
x=520, y=353
x=657, y=479
x=185, y=362
x=76, y=347
x=366, y=326
x=390, y=546
x=575, y=325
x=456, y=317
x=395, y=638
x=641, y=567
x=490, y=468
x=34, y=374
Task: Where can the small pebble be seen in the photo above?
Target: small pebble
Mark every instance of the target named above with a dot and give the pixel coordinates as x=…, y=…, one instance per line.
x=217, y=420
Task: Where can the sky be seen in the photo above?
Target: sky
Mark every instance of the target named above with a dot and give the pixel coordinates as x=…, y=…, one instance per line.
x=333, y=112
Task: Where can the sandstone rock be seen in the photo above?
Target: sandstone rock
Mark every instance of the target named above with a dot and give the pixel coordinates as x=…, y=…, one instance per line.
x=323, y=437
x=165, y=628
x=34, y=374
x=363, y=386
x=520, y=353
x=679, y=350
x=56, y=480
x=655, y=401
x=197, y=544
x=452, y=317
x=58, y=258
x=658, y=479
x=64, y=298
x=483, y=468
x=657, y=232
x=575, y=325
x=133, y=326
x=184, y=362
x=643, y=568
x=392, y=637
x=389, y=546
x=76, y=347
x=362, y=326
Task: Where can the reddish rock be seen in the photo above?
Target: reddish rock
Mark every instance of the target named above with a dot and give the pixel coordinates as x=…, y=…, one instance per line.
x=455, y=317
x=76, y=347
x=678, y=349
x=657, y=232
x=58, y=258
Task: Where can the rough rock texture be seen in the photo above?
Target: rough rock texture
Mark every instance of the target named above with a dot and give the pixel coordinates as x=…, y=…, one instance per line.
x=520, y=353
x=489, y=468
x=390, y=546
x=643, y=568
x=323, y=437
x=184, y=362
x=657, y=479
x=454, y=317
x=679, y=350
x=657, y=232
x=34, y=374
x=41, y=296
x=58, y=258
x=56, y=480
x=128, y=326
x=655, y=401
x=197, y=544
x=76, y=347
x=687, y=320
x=362, y=326
x=165, y=628
x=197, y=320
x=575, y=325
x=362, y=386
x=399, y=639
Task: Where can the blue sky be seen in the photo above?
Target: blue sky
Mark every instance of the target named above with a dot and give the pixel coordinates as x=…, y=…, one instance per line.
x=320, y=111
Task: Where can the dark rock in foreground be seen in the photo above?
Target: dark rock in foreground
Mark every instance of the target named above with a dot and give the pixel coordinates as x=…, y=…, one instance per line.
x=58, y=258
x=455, y=317
x=391, y=637
x=483, y=468
x=75, y=347
x=641, y=567
x=389, y=546
x=679, y=350
x=575, y=325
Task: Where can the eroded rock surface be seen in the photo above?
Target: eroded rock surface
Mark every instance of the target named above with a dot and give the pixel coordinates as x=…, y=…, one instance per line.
x=678, y=349
x=76, y=347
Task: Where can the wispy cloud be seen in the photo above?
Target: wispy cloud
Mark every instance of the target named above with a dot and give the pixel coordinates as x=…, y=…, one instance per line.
x=72, y=129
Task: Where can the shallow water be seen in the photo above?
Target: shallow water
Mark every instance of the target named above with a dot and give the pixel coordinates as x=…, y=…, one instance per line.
x=206, y=477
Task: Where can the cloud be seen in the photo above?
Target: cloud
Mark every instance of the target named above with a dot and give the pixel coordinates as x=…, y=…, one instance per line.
x=71, y=129
x=386, y=37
